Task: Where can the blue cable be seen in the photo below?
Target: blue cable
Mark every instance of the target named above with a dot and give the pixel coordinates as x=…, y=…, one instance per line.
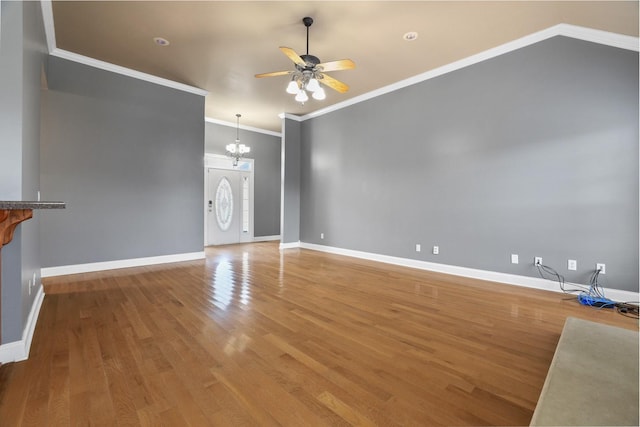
x=586, y=299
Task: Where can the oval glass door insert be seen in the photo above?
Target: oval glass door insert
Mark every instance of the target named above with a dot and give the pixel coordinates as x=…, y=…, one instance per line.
x=224, y=204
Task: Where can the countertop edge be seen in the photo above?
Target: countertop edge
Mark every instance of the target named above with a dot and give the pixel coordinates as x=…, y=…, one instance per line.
x=26, y=204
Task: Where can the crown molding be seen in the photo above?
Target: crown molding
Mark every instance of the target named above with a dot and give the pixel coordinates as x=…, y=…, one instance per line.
x=581, y=33
x=49, y=30
x=96, y=63
x=598, y=36
x=291, y=116
x=243, y=127
x=50, y=33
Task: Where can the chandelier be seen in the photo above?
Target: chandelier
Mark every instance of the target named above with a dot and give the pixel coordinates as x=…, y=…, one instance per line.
x=236, y=150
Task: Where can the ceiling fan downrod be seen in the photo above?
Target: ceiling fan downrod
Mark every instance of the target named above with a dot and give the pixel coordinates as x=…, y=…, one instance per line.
x=307, y=23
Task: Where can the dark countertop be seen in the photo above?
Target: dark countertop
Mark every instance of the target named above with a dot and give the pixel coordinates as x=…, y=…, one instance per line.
x=25, y=204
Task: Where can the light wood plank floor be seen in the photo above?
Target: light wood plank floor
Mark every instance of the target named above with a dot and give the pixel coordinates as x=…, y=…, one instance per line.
x=254, y=336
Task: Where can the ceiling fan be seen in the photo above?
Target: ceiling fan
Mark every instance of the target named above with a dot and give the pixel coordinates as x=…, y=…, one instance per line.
x=309, y=72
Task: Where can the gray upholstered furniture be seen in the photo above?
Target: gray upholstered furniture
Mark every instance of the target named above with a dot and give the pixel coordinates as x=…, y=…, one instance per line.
x=593, y=378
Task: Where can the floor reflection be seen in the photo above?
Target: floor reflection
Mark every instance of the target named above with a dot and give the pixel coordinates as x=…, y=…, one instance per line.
x=226, y=276
x=223, y=284
x=236, y=344
x=281, y=274
x=245, y=291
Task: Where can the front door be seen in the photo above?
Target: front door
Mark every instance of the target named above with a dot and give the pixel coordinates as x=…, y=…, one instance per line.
x=224, y=206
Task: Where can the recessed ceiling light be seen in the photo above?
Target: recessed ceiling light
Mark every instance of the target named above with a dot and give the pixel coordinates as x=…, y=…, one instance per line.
x=410, y=36
x=161, y=41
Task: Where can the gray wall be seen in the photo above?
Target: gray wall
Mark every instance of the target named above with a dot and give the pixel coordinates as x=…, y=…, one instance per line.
x=534, y=152
x=291, y=175
x=22, y=54
x=265, y=150
x=11, y=54
x=126, y=156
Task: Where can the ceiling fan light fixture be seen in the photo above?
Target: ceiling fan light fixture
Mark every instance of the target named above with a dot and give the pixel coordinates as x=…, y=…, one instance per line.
x=313, y=85
x=302, y=96
x=292, y=87
x=309, y=70
x=319, y=94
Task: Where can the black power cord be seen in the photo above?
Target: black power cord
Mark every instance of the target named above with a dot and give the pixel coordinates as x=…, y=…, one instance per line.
x=542, y=269
x=593, y=295
x=628, y=309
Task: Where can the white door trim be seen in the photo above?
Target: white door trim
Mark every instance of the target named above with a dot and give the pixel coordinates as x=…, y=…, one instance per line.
x=222, y=162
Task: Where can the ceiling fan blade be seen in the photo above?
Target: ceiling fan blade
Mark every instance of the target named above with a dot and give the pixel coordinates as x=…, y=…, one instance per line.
x=273, y=74
x=342, y=64
x=333, y=83
x=292, y=55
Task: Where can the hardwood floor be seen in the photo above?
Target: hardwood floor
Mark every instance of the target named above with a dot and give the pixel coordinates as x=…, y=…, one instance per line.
x=254, y=336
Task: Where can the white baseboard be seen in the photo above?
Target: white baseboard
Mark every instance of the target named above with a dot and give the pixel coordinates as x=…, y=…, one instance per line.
x=290, y=245
x=123, y=263
x=493, y=276
x=266, y=238
x=19, y=350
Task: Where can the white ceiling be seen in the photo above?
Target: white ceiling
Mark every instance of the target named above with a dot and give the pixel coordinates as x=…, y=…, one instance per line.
x=220, y=45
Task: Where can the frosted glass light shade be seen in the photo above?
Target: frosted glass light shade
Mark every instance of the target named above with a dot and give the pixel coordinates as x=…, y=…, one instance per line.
x=292, y=87
x=319, y=94
x=302, y=96
x=313, y=85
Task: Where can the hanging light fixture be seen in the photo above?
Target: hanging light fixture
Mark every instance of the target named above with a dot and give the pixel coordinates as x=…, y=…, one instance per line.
x=310, y=72
x=236, y=150
x=305, y=78
x=304, y=82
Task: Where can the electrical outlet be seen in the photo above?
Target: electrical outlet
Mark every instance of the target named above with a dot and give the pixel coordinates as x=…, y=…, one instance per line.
x=602, y=268
x=514, y=258
x=436, y=250
x=322, y=235
x=537, y=260
x=572, y=264
x=418, y=247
